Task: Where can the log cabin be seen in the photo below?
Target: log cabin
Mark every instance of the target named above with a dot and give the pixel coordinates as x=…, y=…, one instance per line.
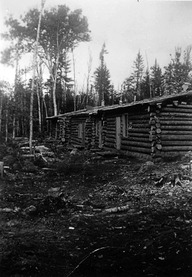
x=157, y=127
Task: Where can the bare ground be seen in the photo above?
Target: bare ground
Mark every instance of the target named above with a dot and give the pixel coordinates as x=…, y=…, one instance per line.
x=90, y=215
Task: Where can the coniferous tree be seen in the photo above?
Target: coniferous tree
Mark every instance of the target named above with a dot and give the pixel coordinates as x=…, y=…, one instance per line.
x=132, y=85
x=177, y=72
x=137, y=74
x=156, y=80
x=145, y=86
x=102, y=79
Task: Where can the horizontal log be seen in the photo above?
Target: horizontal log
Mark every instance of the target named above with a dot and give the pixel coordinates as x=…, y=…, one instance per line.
x=138, y=155
x=175, y=114
x=137, y=143
x=177, y=148
x=109, y=135
x=135, y=138
x=172, y=132
x=142, y=125
x=140, y=121
x=113, y=130
x=170, y=118
x=139, y=130
x=113, y=120
x=176, y=122
x=136, y=149
x=187, y=106
x=176, y=127
x=111, y=145
x=176, y=109
x=110, y=127
x=170, y=137
x=173, y=153
x=134, y=134
x=177, y=142
x=110, y=139
x=137, y=117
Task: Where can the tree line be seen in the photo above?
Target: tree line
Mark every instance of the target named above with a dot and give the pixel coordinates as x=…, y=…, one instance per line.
x=55, y=91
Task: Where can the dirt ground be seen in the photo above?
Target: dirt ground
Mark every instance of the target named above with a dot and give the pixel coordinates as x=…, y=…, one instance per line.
x=84, y=214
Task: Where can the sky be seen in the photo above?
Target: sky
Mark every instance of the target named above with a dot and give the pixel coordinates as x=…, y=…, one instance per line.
x=155, y=28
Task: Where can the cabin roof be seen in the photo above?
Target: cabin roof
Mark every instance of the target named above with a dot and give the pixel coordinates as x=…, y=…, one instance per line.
x=98, y=109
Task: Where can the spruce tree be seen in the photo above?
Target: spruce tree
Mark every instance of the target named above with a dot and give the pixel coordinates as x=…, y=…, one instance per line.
x=102, y=82
x=156, y=80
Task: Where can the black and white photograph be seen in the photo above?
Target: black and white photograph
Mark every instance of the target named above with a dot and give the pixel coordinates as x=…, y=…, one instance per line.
x=95, y=138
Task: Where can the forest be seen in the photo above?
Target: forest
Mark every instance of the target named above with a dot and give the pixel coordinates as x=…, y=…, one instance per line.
x=48, y=86
x=78, y=211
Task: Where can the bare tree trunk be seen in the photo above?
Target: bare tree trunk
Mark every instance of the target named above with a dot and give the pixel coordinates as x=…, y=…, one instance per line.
x=39, y=109
x=74, y=75
x=1, y=107
x=55, y=85
x=14, y=125
x=6, y=123
x=88, y=76
x=33, y=80
x=46, y=112
x=15, y=86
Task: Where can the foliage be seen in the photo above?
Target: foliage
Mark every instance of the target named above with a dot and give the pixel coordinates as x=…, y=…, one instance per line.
x=176, y=73
x=102, y=82
x=156, y=80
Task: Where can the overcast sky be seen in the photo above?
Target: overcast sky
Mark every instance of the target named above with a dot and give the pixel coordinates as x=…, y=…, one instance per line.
x=126, y=26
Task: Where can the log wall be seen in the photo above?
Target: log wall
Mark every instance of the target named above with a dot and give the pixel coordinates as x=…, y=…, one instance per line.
x=74, y=126
x=155, y=130
x=109, y=132
x=139, y=126
x=137, y=141
x=176, y=129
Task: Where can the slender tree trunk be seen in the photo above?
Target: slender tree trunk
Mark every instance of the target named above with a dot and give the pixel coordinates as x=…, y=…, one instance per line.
x=46, y=112
x=14, y=125
x=88, y=77
x=55, y=86
x=15, y=88
x=6, y=123
x=74, y=75
x=39, y=109
x=33, y=80
x=1, y=107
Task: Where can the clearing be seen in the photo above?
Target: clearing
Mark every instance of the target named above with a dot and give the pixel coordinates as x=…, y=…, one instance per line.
x=85, y=214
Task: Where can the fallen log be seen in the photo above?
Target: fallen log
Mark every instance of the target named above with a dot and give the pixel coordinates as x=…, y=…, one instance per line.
x=117, y=209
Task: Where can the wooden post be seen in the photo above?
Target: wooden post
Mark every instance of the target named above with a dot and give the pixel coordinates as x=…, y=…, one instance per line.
x=1, y=169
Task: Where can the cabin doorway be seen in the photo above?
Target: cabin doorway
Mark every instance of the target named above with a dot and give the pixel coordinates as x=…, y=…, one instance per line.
x=118, y=132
